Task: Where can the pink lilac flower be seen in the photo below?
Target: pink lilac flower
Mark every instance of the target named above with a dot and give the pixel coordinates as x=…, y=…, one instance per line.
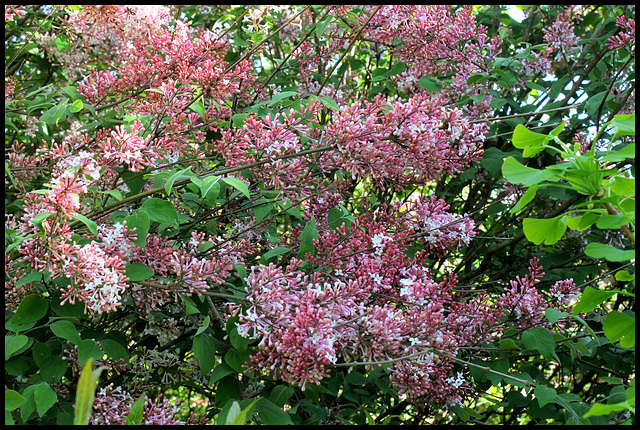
x=112, y=405
x=626, y=38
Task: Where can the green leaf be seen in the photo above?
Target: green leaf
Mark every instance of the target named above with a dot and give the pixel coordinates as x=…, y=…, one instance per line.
x=220, y=372
x=606, y=409
x=582, y=222
x=625, y=125
x=628, y=151
x=93, y=227
x=210, y=189
x=308, y=235
x=53, y=369
x=239, y=185
x=322, y=25
x=516, y=173
x=508, y=344
x=66, y=330
x=238, y=417
x=330, y=103
x=174, y=177
x=278, y=250
x=204, y=349
x=136, y=414
x=13, y=344
x=85, y=393
x=139, y=220
x=238, y=119
x=138, y=272
x=29, y=278
x=32, y=308
x=525, y=199
x=12, y=400
x=280, y=394
x=77, y=106
x=161, y=210
x=540, y=339
x=623, y=186
x=600, y=250
x=114, y=349
x=591, y=299
x=620, y=326
x=38, y=219
x=88, y=350
x=594, y=102
x=45, y=397
x=553, y=315
x=544, y=394
x=271, y=414
x=430, y=83
x=204, y=325
x=548, y=230
x=523, y=138
x=190, y=307
x=197, y=107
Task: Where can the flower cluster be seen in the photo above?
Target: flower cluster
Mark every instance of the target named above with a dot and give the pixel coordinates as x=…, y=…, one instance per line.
x=561, y=37
x=402, y=143
x=626, y=38
x=112, y=405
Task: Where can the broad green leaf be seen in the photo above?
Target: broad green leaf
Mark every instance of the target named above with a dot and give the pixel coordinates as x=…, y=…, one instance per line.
x=136, y=414
x=210, y=189
x=77, y=106
x=329, y=102
x=322, y=25
x=525, y=199
x=53, y=369
x=239, y=185
x=85, y=393
x=12, y=400
x=508, y=344
x=271, y=414
x=240, y=417
x=190, y=307
x=430, y=83
x=516, y=173
x=45, y=398
x=623, y=186
x=280, y=394
x=591, y=299
x=540, y=339
x=548, y=230
x=29, y=278
x=308, y=235
x=553, y=315
x=161, y=210
x=544, y=394
x=93, y=227
x=38, y=219
x=625, y=125
x=607, y=221
x=582, y=222
x=204, y=349
x=114, y=349
x=220, y=372
x=198, y=107
x=66, y=330
x=238, y=119
x=31, y=308
x=174, y=177
x=13, y=344
x=600, y=250
x=628, y=151
x=138, y=272
x=88, y=350
x=204, y=325
x=620, y=326
x=606, y=409
x=278, y=250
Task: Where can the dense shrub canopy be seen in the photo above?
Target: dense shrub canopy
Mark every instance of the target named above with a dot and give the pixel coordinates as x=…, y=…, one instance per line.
x=319, y=214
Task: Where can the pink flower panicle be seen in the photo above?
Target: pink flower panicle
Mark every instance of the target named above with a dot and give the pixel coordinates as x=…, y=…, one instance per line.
x=626, y=38
x=111, y=406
